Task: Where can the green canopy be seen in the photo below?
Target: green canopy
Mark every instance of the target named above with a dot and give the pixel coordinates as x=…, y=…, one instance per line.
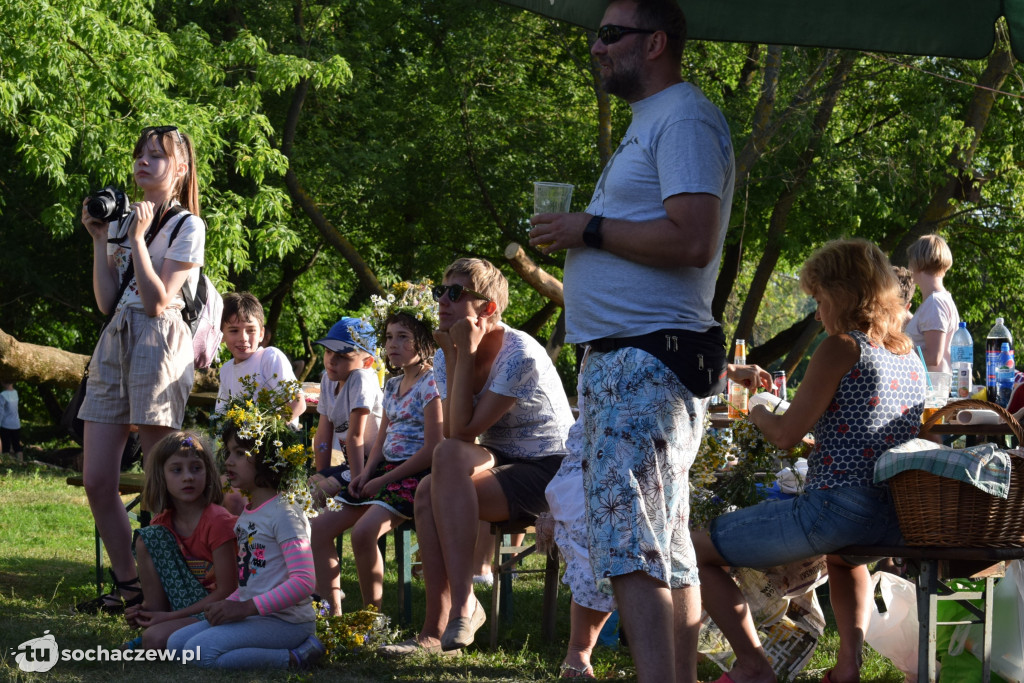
x=946, y=28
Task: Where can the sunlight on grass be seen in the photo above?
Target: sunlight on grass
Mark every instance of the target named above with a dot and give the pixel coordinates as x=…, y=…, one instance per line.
x=47, y=565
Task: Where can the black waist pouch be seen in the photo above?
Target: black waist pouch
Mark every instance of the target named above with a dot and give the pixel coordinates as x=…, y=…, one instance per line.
x=696, y=358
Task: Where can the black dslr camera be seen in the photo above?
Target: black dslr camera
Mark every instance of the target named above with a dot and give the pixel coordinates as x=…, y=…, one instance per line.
x=108, y=204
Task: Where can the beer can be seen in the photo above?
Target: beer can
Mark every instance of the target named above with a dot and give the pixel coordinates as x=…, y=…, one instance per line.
x=779, y=380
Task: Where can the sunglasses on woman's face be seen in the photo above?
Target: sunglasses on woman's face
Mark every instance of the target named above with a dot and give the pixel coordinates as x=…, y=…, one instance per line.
x=455, y=293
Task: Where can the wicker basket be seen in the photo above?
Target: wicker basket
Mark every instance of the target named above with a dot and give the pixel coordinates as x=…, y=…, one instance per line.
x=938, y=511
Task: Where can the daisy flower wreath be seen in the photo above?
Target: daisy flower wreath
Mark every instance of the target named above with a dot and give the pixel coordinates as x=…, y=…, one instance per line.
x=261, y=415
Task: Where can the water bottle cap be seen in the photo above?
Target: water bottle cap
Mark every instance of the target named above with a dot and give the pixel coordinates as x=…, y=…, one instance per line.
x=1004, y=347
x=963, y=325
x=999, y=321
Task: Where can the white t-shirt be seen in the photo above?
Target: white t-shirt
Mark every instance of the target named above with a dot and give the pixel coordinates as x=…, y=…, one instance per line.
x=188, y=248
x=269, y=364
x=937, y=312
x=678, y=142
x=538, y=422
x=261, y=565
x=360, y=390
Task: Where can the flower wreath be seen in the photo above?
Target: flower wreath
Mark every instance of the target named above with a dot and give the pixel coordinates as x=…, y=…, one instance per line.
x=412, y=298
x=261, y=415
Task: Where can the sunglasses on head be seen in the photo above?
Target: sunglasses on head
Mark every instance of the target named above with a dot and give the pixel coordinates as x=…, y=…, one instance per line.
x=611, y=33
x=455, y=293
x=163, y=130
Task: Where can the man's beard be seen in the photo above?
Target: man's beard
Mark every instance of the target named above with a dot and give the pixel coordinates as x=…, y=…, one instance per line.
x=625, y=78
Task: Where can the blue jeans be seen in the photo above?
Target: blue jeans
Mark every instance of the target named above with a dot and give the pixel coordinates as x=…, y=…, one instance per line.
x=817, y=522
x=254, y=643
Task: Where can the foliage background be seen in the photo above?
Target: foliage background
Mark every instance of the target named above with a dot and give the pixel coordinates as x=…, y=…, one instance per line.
x=346, y=145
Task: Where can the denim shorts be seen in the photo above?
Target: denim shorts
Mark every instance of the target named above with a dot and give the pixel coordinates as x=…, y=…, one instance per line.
x=817, y=522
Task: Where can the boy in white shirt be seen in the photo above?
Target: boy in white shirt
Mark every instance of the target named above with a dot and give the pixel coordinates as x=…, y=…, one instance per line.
x=242, y=325
x=351, y=404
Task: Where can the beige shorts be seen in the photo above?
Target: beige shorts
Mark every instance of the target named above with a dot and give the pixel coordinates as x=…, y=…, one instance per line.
x=141, y=371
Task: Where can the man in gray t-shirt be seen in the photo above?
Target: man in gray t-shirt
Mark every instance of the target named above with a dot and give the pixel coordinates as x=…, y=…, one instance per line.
x=643, y=260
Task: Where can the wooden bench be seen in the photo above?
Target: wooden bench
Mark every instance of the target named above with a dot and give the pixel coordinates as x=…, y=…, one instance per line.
x=507, y=558
x=935, y=566
x=130, y=484
x=404, y=549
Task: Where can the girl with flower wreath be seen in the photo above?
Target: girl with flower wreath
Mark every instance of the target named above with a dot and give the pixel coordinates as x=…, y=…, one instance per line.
x=380, y=498
x=268, y=622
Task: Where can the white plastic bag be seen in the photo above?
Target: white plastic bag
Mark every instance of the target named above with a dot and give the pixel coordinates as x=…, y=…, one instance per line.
x=894, y=633
x=1007, y=627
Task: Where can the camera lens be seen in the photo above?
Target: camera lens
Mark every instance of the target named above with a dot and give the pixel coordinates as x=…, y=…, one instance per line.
x=108, y=204
x=101, y=205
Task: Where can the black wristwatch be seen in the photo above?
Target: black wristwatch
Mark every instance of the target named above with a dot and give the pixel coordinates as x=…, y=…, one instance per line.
x=592, y=233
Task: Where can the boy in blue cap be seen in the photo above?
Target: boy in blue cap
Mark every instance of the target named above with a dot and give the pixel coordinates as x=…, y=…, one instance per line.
x=350, y=407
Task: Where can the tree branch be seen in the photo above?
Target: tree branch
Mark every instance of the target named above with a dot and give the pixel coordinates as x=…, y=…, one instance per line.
x=545, y=283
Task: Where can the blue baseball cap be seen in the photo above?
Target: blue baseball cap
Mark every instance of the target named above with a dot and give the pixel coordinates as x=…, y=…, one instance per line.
x=349, y=334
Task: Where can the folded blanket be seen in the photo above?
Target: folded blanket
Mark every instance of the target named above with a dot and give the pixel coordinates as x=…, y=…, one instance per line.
x=983, y=466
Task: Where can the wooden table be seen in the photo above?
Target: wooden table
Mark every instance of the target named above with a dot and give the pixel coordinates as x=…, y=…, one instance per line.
x=935, y=566
x=208, y=399
x=974, y=433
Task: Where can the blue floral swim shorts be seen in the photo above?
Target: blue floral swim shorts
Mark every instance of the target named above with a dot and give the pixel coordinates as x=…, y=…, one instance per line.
x=642, y=429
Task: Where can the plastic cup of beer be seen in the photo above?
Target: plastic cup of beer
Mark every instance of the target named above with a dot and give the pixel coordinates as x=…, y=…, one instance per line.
x=551, y=198
x=936, y=393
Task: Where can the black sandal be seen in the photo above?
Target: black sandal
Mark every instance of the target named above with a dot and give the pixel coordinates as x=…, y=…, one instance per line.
x=113, y=602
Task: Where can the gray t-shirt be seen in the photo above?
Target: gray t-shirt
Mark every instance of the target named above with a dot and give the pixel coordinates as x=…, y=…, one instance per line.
x=678, y=142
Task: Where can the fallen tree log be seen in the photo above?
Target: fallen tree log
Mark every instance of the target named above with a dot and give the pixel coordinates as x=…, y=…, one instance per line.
x=22, y=362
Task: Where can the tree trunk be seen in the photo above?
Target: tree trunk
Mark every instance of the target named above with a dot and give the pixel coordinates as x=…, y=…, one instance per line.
x=545, y=283
x=21, y=362
x=364, y=274
x=942, y=205
x=793, y=188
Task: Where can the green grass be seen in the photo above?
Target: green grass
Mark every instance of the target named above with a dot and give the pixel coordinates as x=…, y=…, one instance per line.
x=47, y=565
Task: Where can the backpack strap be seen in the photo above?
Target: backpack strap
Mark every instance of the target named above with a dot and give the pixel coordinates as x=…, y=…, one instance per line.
x=129, y=272
x=189, y=312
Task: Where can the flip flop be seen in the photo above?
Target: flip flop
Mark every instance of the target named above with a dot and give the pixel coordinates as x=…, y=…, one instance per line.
x=570, y=671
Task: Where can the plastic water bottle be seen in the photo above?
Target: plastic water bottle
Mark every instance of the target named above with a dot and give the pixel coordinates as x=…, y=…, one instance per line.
x=997, y=336
x=1004, y=376
x=961, y=352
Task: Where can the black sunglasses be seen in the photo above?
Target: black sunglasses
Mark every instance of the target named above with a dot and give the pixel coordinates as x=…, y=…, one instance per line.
x=610, y=33
x=455, y=292
x=163, y=130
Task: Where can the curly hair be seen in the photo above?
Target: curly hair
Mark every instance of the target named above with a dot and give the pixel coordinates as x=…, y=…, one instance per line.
x=422, y=338
x=859, y=281
x=266, y=476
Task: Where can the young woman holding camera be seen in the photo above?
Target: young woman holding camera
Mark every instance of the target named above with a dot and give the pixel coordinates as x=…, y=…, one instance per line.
x=141, y=371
